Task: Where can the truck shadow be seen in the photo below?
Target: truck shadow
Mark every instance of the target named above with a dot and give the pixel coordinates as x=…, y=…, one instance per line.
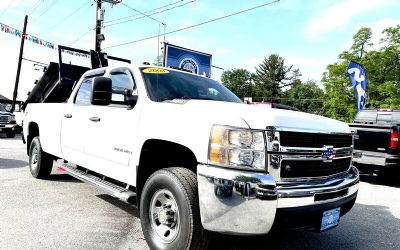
x=62, y=178
x=378, y=180
x=11, y=163
x=17, y=137
x=128, y=208
x=353, y=232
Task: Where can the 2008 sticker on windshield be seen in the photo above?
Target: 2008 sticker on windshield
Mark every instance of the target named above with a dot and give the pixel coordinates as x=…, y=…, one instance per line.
x=155, y=71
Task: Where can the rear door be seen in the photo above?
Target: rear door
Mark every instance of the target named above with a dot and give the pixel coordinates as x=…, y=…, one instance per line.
x=75, y=123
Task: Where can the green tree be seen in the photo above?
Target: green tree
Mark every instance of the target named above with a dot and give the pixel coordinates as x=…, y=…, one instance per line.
x=239, y=81
x=306, y=96
x=383, y=73
x=271, y=75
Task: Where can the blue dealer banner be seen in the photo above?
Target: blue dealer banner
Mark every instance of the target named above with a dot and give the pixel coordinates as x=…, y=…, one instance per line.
x=358, y=78
x=194, y=61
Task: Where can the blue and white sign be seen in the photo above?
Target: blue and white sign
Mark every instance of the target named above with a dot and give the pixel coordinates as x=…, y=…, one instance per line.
x=194, y=61
x=358, y=78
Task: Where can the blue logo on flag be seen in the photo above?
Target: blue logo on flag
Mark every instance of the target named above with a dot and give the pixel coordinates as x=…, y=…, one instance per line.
x=358, y=79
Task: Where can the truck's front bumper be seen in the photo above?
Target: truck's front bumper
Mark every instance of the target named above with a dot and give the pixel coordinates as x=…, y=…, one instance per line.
x=240, y=202
x=7, y=127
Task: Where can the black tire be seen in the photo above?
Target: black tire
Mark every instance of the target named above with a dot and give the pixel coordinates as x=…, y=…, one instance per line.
x=182, y=184
x=10, y=134
x=390, y=175
x=40, y=163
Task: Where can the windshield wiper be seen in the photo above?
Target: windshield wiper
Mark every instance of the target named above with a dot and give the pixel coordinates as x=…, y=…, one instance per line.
x=186, y=98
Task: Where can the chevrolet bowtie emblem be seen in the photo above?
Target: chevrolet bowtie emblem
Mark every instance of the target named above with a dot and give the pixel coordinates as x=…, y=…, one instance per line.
x=329, y=153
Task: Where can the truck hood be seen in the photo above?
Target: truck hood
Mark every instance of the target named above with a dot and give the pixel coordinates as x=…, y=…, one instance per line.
x=260, y=117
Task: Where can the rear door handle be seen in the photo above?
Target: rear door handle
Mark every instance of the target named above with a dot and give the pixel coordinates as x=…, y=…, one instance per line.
x=68, y=116
x=94, y=119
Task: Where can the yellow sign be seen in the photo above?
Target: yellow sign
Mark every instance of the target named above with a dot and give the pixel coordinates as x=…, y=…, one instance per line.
x=155, y=71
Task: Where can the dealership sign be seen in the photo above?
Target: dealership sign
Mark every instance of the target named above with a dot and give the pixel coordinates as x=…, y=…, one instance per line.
x=194, y=61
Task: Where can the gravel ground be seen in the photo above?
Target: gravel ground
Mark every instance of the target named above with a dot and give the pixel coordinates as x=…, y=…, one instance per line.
x=64, y=213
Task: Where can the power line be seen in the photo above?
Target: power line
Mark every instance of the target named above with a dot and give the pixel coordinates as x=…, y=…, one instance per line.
x=144, y=14
x=147, y=11
x=80, y=37
x=195, y=25
x=158, y=12
x=8, y=6
x=69, y=15
x=47, y=9
x=35, y=6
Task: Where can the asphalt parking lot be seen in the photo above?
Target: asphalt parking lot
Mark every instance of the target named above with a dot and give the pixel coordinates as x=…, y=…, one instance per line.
x=64, y=213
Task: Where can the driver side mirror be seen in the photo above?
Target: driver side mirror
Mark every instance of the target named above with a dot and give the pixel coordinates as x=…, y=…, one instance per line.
x=101, y=91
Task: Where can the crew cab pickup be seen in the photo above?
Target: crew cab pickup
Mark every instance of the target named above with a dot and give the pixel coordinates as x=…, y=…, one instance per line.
x=8, y=124
x=376, y=144
x=193, y=157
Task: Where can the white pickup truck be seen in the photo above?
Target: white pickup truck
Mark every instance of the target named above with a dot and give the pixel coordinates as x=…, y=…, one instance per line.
x=193, y=157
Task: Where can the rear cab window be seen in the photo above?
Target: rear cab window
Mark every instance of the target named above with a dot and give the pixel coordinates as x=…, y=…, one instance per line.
x=84, y=93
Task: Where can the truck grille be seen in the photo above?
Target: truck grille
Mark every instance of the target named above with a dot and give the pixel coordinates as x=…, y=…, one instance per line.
x=4, y=118
x=313, y=168
x=295, y=156
x=314, y=140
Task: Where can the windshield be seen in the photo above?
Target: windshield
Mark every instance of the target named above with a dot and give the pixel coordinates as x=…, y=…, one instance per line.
x=2, y=108
x=164, y=85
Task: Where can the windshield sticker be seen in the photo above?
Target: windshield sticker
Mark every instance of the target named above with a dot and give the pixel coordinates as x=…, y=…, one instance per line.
x=155, y=71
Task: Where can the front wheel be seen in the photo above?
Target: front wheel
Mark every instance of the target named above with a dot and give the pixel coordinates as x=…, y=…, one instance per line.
x=40, y=163
x=169, y=211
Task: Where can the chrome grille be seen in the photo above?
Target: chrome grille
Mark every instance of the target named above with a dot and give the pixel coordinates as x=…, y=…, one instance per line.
x=293, y=156
x=4, y=118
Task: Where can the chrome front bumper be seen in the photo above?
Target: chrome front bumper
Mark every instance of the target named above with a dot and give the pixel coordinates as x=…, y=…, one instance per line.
x=239, y=202
x=8, y=126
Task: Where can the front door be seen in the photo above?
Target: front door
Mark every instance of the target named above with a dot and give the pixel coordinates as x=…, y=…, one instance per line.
x=112, y=130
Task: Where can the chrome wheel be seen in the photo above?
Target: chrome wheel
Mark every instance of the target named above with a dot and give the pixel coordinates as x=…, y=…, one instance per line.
x=164, y=215
x=34, y=160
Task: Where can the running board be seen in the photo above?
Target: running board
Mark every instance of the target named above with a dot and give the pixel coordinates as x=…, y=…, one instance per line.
x=115, y=190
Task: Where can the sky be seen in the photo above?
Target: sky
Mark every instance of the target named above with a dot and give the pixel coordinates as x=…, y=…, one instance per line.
x=309, y=34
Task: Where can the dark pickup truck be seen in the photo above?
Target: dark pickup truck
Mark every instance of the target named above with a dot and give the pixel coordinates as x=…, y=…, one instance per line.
x=8, y=125
x=376, y=141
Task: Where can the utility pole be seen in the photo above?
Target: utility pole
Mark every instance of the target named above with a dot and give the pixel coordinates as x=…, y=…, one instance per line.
x=21, y=51
x=99, y=20
x=99, y=16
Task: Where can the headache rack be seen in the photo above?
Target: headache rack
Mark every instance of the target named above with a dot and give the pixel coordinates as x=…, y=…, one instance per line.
x=58, y=80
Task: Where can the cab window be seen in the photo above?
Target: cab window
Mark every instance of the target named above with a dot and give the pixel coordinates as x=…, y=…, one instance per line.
x=84, y=93
x=122, y=80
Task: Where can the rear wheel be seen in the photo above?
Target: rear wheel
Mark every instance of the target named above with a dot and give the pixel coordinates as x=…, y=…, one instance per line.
x=40, y=163
x=389, y=175
x=169, y=211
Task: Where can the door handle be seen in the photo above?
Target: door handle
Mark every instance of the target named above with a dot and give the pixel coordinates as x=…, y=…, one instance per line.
x=68, y=116
x=94, y=119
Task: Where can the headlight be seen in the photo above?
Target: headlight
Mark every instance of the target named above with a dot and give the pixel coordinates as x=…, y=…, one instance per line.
x=236, y=147
x=11, y=118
